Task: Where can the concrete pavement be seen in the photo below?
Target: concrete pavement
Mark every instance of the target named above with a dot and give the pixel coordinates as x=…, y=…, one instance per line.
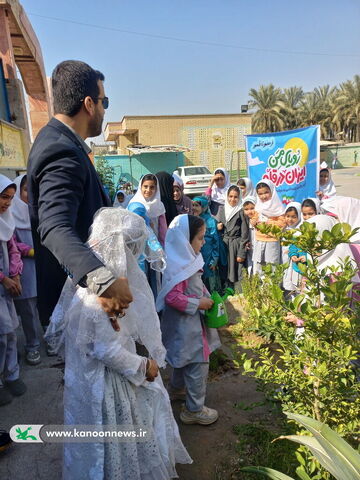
x=347, y=181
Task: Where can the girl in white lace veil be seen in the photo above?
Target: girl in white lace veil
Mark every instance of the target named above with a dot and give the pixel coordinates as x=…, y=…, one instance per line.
x=105, y=379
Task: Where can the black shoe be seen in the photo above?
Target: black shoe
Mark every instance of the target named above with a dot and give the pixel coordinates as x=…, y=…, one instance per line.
x=33, y=357
x=16, y=387
x=5, y=396
x=5, y=440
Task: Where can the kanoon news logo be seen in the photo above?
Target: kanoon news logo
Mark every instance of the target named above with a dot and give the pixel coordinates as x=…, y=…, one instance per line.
x=26, y=433
x=79, y=433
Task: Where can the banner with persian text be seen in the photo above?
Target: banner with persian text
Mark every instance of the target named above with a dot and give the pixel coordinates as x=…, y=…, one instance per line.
x=289, y=159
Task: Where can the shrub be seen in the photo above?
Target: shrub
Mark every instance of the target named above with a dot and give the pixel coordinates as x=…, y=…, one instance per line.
x=314, y=374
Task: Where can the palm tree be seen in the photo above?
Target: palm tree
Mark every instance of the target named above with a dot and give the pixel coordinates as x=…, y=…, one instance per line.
x=308, y=110
x=268, y=102
x=292, y=97
x=326, y=96
x=347, y=108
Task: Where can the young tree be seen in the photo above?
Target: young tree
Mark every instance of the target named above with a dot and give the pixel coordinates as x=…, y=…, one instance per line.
x=106, y=174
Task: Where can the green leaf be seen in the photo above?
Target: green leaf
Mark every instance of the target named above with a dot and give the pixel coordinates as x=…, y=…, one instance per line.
x=337, y=229
x=268, y=472
x=302, y=474
x=247, y=365
x=346, y=461
x=316, y=449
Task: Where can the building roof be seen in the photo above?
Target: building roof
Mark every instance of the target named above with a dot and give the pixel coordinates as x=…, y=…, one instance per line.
x=139, y=149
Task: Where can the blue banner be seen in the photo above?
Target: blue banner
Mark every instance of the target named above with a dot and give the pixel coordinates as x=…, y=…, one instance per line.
x=289, y=159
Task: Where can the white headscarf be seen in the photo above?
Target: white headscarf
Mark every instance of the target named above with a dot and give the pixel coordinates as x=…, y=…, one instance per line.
x=7, y=222
x=19, y=208
x=126, y=201
x=297, y=206
x=219, y=194
x=329, y=189
x=339, y=253
x=182, y=262
x=272, y=207
x=249, y=198
x=229, y=210
x=250, y=190
x=347, y=209
x=178, y=179
x=154, y=206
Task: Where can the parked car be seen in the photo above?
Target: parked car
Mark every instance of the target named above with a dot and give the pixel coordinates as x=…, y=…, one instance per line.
x=196, y=179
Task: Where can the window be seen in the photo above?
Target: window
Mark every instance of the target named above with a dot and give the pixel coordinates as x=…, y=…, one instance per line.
x=196, y=171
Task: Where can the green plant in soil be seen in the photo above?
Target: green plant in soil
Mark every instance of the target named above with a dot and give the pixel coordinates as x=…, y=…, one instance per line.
x=254, y=447
x=315, y=373
x=333, y=453
x=106, y=174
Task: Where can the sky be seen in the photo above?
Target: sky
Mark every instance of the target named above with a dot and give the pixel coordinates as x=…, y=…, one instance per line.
x=199, y=56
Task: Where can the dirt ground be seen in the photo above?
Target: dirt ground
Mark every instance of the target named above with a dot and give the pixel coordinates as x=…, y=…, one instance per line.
x=212, y=448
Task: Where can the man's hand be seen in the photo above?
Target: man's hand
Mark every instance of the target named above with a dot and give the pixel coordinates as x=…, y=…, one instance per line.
x=115, y=299
x=152, y=370
x=12, y=285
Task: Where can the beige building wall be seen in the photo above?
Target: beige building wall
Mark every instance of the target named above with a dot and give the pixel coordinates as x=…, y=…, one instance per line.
x=213, y=140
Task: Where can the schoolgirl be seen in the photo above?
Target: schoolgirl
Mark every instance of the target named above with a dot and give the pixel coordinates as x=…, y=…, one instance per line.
x=248, y=205
x=182, y=201
x=148, y=194
x=236, y=235
x=269, y=210
x=216, y=192
x=153, y=256
x=166, y=188
x=122, y=199
x=290, y=253
x=211, y=248
x=246, y=187
x=10, y=270
x=25, y=303
x=182, y=300
x=310, y=207
x=327, y=187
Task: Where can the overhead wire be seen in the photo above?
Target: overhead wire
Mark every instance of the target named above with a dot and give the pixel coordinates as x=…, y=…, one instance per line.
x=192, y=41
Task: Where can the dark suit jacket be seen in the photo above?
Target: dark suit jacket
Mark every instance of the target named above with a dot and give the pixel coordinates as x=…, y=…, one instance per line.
x=64, y=193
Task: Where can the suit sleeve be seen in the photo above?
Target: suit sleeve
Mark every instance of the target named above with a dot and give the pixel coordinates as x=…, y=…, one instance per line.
x=61, y=189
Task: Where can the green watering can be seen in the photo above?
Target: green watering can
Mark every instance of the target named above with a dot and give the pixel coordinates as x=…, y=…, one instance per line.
x=217, y=316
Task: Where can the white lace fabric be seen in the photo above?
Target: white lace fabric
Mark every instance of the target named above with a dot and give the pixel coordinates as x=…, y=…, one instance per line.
x=95, y=353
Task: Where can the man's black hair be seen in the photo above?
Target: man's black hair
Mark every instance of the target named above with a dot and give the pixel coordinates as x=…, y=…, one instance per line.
x=72, y=81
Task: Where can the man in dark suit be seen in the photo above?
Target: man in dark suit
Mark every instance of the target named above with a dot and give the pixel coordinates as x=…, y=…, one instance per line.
x=65, y=192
